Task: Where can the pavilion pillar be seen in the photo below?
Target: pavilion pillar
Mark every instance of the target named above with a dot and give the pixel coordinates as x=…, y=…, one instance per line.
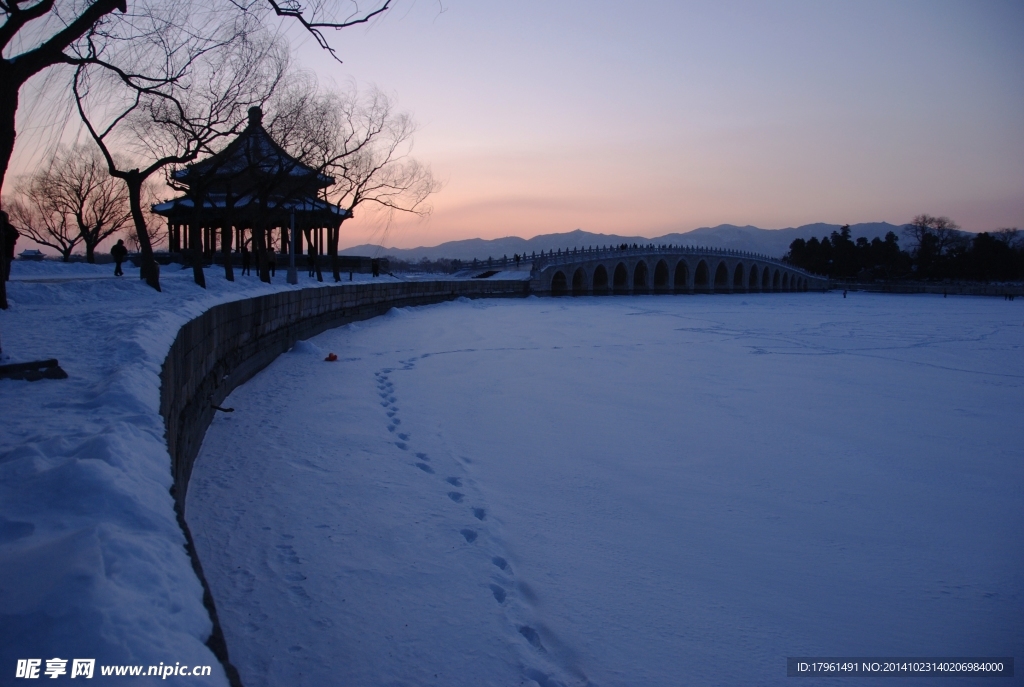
x=335, y=233
x=259, y=240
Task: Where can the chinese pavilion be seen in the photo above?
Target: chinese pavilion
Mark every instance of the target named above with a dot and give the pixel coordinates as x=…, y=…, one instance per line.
x=246, y=191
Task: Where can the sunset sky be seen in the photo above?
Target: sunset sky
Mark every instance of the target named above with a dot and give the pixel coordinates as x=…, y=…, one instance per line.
x=651, y=117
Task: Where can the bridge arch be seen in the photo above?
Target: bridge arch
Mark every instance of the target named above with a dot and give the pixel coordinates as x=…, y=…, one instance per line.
x=621, y=279
x=682, y=277
x=661, y=276
x=701, y=280
x=641, y=282
x=722, y=278
x=600, y=279
x=558, y=284
x=579, y=282
x=666, y=269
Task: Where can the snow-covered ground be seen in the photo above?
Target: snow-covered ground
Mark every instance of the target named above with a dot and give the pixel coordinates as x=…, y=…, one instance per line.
x=623, y=491
x=92, y=563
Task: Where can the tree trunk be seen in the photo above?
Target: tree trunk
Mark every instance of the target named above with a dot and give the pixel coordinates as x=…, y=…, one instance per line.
x=8, y=108
x=195, y=240
x=195, y=244
x=90, y=253
x=226, y=232
x=5, y=266
x=260, y=239
x=149, y=270
x=332, y=247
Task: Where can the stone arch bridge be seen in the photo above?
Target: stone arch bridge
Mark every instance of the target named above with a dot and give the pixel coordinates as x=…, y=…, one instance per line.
x=665, y=269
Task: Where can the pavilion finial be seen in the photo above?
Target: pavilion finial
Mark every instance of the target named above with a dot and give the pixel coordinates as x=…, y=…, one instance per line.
x=255, y=116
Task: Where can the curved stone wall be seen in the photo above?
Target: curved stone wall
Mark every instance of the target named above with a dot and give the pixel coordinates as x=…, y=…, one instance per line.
x=228, y=344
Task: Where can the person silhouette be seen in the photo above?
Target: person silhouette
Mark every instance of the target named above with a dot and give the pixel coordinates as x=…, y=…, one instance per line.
x=119, y=253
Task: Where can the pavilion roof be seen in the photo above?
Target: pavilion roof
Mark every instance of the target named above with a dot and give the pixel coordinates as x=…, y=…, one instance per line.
x=253, y=160
x=250, y=205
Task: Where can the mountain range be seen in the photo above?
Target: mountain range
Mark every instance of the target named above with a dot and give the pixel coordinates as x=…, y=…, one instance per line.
x=771, y=242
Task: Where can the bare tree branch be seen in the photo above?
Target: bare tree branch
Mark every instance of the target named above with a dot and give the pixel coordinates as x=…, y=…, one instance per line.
x=360, y=141
x=309, y=18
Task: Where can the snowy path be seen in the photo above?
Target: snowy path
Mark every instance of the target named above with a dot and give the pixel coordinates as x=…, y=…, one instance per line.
x=622, y=491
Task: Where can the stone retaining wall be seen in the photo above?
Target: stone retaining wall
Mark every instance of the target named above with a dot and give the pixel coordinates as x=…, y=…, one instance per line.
x=228, y=344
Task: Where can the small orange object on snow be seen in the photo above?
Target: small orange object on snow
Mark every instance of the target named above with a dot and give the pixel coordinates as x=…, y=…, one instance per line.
x=331, y=358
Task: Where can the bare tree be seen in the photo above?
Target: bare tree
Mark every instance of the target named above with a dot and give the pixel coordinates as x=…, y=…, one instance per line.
x=72, y=200
x=937, y=234
x=54, y=32
x=361, y=141
x=200, y=100
x=33, y=211
x=156, y=227
x=1012, y=237
x=78, y=181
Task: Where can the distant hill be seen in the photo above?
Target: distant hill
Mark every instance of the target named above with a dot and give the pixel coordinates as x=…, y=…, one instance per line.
x=772, y=242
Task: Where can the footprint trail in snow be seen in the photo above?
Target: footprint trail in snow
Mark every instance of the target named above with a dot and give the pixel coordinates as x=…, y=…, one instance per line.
x=537, y=660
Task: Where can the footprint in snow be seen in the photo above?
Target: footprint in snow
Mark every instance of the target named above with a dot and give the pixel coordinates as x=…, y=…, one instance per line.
x=287, y=554
x=454, y=481
x=470, y=535
x=425, y=468
x=455, y=496
x=531, y=636
x=479, y=513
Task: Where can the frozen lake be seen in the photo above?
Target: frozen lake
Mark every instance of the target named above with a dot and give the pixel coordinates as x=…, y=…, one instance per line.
x=623, y=491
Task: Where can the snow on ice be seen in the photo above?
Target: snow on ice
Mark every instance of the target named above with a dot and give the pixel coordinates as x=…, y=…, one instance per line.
x=622, y=491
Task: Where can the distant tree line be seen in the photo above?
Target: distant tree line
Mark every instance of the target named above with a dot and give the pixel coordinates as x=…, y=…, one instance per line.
x=936, y=249
x=441, y=265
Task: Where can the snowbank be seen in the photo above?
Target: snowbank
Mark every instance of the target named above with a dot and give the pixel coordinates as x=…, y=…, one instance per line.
x=92, y=563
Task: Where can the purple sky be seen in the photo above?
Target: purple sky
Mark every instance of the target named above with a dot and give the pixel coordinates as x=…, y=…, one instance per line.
x=650, y=117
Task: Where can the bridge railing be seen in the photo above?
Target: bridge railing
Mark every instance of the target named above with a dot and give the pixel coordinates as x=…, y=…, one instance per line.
x=574, y=255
